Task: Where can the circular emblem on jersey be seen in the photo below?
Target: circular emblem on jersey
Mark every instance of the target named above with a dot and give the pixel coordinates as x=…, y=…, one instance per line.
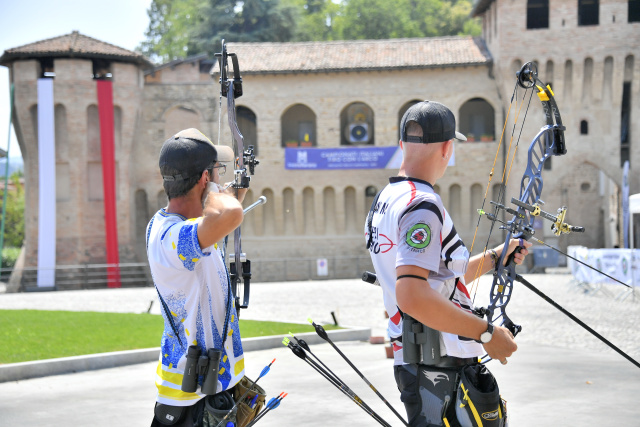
x=419, y=236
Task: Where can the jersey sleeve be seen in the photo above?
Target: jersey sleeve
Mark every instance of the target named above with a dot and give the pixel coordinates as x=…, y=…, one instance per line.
x=179, y=245
x=419, y=240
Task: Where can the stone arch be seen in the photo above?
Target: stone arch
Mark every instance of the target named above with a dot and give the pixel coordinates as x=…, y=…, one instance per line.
x=268, y=214
x=329, y=206
x=587, y=80
x=477, y=120
x=607, y=80
x=628, y=68
x=350, y=217
x=568, y=79
x=248, y=223
x=142, y=216
x=63, y=182
x=117, y=126
x=33, y=114
x=288, y=211
x=357, y=126
x=93, y=133
x=248, y=126
x=61, y=133
x=179, y=117
x=298, y=126
x=369, y=194
x=548, y=73
x=308, y=211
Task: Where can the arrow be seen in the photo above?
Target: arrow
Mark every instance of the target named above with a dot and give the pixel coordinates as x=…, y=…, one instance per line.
x=273, y=404
x=335, y=380
x=323, y=334
x=264, y=372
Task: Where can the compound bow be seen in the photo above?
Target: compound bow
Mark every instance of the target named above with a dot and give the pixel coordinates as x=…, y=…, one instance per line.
x=244, y=166
x=548, y=142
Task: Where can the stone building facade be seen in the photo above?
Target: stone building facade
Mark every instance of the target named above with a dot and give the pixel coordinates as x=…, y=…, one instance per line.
x=310, y=95
x=588, y=51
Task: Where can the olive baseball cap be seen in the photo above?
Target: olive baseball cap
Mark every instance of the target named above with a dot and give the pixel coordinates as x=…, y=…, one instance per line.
x=188, y=153
x=436, y=120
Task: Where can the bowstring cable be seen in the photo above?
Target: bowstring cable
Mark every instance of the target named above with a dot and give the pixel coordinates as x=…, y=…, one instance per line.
x=486, y=191
x=502, y=191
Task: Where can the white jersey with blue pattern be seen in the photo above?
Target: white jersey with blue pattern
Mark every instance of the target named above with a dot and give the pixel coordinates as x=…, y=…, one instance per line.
x=193, y=286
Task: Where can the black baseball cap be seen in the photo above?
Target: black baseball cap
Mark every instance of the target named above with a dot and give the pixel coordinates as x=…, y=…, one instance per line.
x=437, y=121
x=188, y=153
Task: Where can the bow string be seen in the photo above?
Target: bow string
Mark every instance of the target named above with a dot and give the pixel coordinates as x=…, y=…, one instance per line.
x=548, y=142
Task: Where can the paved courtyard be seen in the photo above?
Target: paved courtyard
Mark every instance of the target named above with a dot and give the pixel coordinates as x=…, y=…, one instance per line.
x=561, y=375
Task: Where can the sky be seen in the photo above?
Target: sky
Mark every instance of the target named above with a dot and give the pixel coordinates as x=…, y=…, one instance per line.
x=119, y=22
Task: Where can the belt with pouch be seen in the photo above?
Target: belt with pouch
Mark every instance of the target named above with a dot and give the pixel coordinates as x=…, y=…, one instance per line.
x=455, y=362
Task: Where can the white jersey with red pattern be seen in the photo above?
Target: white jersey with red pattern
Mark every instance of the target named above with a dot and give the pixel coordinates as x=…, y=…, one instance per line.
x=410, y=226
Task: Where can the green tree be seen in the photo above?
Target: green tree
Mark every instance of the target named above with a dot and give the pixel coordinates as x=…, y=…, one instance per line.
x=381, y=19
x=169, y=33
x=216, y=19
x=14, y=217
x=315, y=19
x=180, y=28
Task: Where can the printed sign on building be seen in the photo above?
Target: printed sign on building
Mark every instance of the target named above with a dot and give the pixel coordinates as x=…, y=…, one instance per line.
x=343, y=158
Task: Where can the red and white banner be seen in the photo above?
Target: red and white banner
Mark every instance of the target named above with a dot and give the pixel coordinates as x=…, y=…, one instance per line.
x=107, y=145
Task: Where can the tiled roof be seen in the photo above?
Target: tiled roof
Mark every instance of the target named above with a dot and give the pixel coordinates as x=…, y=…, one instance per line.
x=359, y=55
x=480, y=6
x=74, y=45
x=176, y=62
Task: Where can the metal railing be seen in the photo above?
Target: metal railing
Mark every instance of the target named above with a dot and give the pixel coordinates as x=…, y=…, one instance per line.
x=100, y=276
x=83, y=276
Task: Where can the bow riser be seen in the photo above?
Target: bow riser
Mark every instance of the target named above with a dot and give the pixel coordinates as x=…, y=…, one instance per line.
x=231, y=88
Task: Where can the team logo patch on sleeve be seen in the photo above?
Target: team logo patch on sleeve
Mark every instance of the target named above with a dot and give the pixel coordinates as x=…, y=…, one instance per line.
x=419, y=236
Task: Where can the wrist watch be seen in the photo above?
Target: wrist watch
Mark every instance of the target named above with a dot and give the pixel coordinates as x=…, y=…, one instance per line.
x=486, y=336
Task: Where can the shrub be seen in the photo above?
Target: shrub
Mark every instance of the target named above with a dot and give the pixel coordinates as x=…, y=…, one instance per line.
x=9, y=257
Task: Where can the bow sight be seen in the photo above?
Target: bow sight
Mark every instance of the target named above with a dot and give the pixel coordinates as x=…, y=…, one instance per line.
x=525, y=230
x=248, y=161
